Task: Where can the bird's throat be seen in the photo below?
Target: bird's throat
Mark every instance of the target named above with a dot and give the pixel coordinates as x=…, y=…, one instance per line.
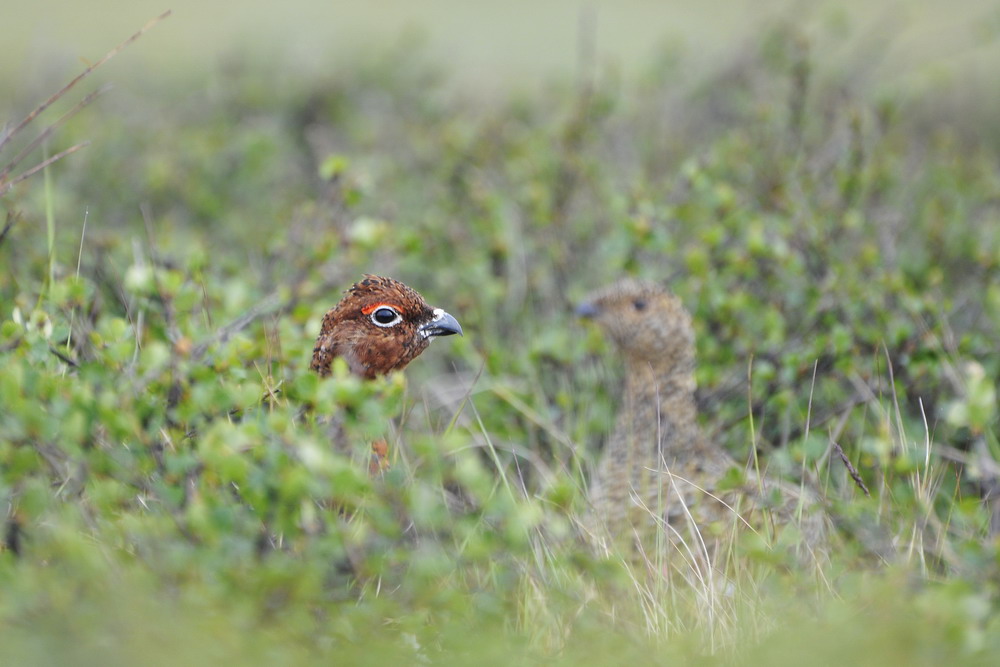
x=660, y=408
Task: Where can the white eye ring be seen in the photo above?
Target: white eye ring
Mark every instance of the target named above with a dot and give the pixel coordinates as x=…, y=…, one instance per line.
x=385, y=316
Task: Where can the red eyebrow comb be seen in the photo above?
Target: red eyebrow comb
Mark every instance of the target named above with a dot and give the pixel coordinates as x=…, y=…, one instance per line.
x=367, y=310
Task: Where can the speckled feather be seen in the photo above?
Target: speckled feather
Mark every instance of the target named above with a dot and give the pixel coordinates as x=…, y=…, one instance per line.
x=657, y=461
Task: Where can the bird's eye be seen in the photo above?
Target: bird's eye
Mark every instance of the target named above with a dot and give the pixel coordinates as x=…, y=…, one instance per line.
x=639, y=304
x=384, y=316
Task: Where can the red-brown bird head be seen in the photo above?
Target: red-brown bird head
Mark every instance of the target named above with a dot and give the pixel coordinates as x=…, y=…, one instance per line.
x=379, y=326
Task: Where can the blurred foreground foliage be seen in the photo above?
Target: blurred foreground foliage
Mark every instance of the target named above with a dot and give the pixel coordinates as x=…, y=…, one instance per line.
x=176, y=486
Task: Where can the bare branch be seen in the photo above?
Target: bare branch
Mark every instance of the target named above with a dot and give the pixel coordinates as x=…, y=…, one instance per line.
x=63, y=358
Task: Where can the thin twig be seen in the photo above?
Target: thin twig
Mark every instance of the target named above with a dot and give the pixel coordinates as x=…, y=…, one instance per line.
x=264, y=307
x=63, y=358
x=987, y=466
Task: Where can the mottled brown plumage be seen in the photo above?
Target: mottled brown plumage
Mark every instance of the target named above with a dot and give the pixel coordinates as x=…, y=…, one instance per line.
x=380, y=326
x=657, y=465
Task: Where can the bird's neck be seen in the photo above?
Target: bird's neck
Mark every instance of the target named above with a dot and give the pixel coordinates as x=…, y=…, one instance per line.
x=659, y=399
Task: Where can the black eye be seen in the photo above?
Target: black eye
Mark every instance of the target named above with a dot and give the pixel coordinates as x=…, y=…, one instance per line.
x=639, y=304
x=385, y=316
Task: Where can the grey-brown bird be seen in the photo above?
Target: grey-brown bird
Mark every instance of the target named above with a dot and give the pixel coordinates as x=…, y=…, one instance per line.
x=379, y=326
x=658, y=472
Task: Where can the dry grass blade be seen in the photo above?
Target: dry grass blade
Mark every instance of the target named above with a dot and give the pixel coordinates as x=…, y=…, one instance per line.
x=45, y=134
x=41, y=165
x=65, y=89
x=6, y=185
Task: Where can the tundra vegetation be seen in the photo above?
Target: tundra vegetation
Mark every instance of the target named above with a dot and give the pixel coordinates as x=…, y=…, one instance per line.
x=169, y=491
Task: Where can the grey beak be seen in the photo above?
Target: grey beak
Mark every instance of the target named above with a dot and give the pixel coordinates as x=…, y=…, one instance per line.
x=588, y=310
x=443, y=324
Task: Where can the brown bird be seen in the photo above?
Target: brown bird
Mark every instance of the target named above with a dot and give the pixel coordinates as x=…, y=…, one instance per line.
x=658, y=471
x=379, y=326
